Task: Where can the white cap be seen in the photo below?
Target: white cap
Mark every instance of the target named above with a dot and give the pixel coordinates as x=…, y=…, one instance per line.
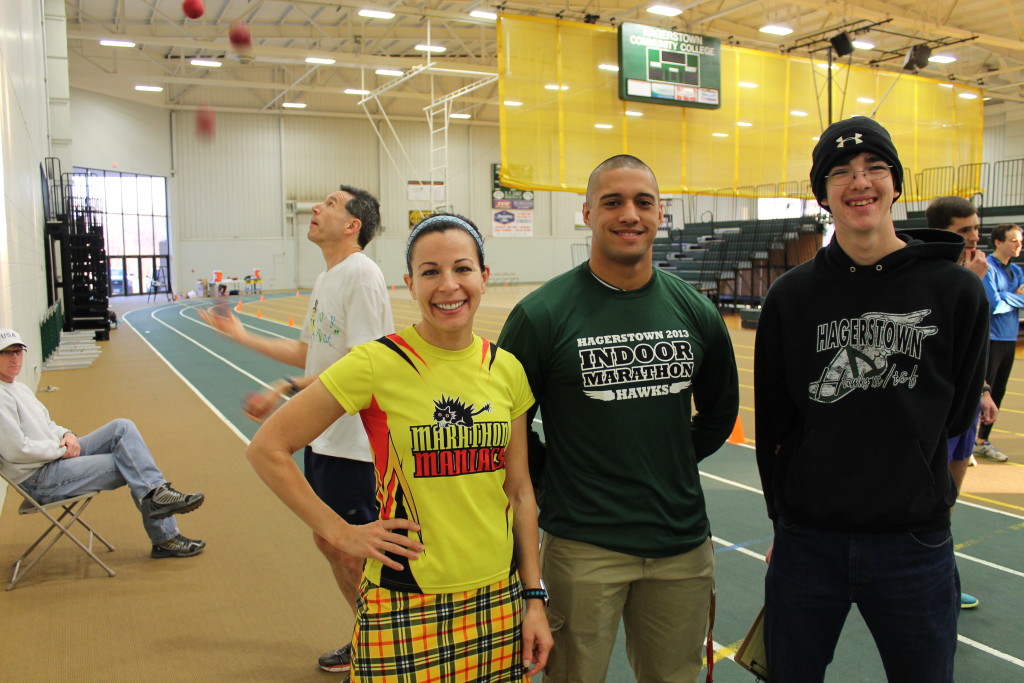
x=10, y=338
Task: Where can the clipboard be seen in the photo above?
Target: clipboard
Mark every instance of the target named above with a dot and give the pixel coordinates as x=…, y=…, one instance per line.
x=752, y=654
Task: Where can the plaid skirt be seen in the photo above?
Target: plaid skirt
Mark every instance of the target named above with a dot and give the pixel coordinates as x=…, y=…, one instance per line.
x=473, y=635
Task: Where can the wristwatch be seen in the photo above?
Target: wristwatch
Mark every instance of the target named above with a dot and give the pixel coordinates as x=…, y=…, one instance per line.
x=293, y=388
x=535, y=594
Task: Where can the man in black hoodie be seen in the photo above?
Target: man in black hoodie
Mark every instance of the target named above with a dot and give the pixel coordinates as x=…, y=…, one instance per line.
x=868, y=358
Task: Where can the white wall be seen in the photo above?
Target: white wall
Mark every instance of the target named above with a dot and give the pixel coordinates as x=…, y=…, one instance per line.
x=117, y=135
x=1004, y=134
x=24, y=146
x=229, y=194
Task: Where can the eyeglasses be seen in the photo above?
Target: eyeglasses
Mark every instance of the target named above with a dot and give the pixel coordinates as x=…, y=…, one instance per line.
x=845, y=176
x=12, y=352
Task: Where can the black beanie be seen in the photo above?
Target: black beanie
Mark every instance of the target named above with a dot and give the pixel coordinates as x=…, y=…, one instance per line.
x=852, y=136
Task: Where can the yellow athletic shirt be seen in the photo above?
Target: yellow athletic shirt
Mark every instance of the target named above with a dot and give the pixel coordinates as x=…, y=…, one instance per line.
x=438, y=423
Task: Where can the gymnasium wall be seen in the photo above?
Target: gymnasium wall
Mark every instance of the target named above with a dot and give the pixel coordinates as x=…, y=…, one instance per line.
x=23, y=146
x=1004, y=135
x=241, y=200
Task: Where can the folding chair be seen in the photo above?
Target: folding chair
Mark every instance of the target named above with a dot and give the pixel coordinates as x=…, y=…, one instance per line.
x=72, y=512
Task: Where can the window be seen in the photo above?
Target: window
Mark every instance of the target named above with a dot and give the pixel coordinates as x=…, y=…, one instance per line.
x=135, y=226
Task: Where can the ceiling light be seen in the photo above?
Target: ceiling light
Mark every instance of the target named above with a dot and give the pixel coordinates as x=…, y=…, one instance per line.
x=117, y=43
x=744, y=84
x=512, y=103
x=423, y=47
x=356, y=91
x=797, y=112
x=608, y=67
x=776, y=30
x=388, y=72
x=319, y=60
x=664, y=10
x=603, y=126
x=985, y=99
x=744, y=124
x=720, y=135
x=461, y=116
x=205, y=62
x=634, y=113
x=815, y=138
x=863, y=45
x=865, y=100
x=555, y=86
x=942, y=59
x=376, y=14
x=293, y=105
x=945, y=85
x=968, y=96
x=149, y=88
x=824, y=65
x=481, y=14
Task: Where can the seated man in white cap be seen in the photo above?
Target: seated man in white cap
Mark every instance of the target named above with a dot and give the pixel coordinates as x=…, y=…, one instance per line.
x=51, y=463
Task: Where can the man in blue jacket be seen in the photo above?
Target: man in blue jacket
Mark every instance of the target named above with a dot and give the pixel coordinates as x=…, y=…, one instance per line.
x=1004, y=286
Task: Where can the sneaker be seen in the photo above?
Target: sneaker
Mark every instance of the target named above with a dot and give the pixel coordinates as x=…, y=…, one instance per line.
x=179, y=546
x=986, y=450
x=338, y=661
x=968, y=601
x=163, y=501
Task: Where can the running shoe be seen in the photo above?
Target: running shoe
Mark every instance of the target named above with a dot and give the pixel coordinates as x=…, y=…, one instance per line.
x=163, y=501
x=968, y=601
x=338, y=661
x=178, y=546
x=985, y=449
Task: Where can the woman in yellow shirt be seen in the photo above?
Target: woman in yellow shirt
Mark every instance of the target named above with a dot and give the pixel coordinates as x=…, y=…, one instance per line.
x=451, y=588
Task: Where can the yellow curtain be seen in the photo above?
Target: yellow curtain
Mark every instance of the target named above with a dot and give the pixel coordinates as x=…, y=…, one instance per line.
x=570, y=118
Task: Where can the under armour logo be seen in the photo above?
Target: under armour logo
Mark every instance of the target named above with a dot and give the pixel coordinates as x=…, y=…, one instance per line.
x=841, y=141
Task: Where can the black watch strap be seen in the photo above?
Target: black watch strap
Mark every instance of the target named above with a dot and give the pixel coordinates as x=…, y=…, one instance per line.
x=535, y=594
x=293, y=388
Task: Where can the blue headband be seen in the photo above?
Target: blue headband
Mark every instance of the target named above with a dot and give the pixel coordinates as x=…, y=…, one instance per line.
x=455, y=220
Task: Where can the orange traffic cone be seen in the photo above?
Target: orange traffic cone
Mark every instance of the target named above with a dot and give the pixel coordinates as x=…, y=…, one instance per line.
x=259, y=312
x=392, y=288
x=261, y=298
x=297, y=293
x=737, y=433
x=239, y=306
x=291, y=321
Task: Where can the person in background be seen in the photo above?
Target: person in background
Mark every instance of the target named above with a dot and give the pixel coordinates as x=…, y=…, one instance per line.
x=349, y=305
x=958, y=215
x=51, y=463
x=1004, y=286
x=636, y=380
x=456, y=542
x=867, y=358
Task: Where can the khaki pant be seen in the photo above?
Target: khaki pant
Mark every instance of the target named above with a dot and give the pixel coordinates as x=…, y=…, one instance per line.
x=663, y=603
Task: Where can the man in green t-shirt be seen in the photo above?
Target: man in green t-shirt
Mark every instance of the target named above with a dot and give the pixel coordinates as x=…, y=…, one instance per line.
x=618, y=353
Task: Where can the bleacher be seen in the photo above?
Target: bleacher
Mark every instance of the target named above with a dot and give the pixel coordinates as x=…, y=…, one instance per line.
x=734, y=262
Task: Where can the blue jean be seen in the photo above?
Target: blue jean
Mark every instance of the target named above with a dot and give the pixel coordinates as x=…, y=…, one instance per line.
x=112, y=456
x=905, y=585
